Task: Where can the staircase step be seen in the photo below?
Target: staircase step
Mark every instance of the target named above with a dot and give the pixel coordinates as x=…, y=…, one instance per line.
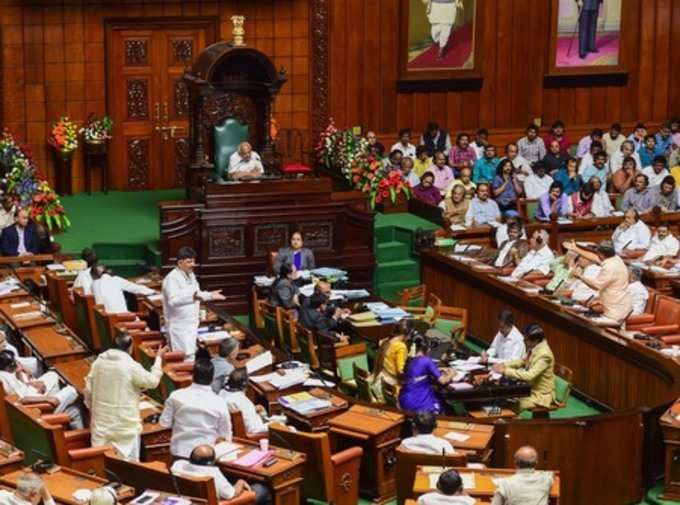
x=391, y=251
x=152, y=255
x=396, y=271
x=383, y=234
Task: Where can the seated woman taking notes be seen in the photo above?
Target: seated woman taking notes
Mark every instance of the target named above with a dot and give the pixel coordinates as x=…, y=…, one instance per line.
x=420, y=376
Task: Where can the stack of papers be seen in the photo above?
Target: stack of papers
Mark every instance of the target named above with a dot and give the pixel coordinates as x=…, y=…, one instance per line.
x=9, y=286
x=329, y=272
x=349, y=294
x=259, y=362
x=456, y=437
x=363, y=319
x=212, y=336
x=289, y=378
x=157, y=297
x=304, y=403
x=55, y=267
x=466, y=248
x=263, y=281
x=385, y=313
x=458, y=227
x=307, y=290
x=253, y=458
x=224, y=448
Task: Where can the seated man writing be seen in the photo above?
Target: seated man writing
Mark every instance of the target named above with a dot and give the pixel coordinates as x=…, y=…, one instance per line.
x=245, y=163
x=43, y=389
x=423, y=441
x=508, y=344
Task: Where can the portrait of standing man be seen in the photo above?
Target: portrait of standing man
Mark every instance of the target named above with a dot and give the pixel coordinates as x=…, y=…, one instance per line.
x=589, y=11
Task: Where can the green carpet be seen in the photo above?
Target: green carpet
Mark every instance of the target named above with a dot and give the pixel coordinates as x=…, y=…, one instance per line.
x=121, y=217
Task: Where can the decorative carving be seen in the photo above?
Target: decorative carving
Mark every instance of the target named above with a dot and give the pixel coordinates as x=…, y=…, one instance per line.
x=317, y=235
x=181, y=159
x=137, y=99
x=138, y=163
x=225, y=241
x=320, y=62
x=346, y=482
x=217, y=108
x=136, y=52
x=181, y=98
x=182, y=50
x=269, y=237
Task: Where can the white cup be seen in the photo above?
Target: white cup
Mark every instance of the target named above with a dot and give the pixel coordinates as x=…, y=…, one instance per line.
x=264, y=444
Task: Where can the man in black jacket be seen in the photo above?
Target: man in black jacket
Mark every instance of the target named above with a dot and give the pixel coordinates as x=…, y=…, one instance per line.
x=313, y=316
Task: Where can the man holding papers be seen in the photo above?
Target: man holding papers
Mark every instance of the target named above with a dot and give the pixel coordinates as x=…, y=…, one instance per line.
x=182, y=298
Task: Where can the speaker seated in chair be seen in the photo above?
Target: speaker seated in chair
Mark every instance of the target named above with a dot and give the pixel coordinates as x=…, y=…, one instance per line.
x=229, y=137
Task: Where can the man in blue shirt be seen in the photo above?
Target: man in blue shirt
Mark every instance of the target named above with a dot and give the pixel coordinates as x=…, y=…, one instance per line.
x=648, y=151
x=664, y=140
x=485, y=168
x=597, y=169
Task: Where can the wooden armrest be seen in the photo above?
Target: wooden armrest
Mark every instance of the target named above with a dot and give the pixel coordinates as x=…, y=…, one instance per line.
x=243, y=499
x=56, y=418
x=39, y=404
x=124, y=317
x=640, y=319
x=148, y=334
x=670, y=339
x=89, y=452
x=347, y=455
x=77, y=435
x=660, y=329
x=171, y=357
x=182, y=367
x=134, y=325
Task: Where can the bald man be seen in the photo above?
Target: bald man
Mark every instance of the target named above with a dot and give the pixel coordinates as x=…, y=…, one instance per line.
x=528, y=486
x=245, y=163
x=202, y=463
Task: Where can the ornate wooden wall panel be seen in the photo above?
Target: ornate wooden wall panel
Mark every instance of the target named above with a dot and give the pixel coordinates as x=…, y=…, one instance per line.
x=363, y=71
x=53, y=59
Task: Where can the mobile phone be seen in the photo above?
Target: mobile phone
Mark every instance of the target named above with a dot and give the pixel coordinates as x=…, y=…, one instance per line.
x=145, y=497
x=271, y=462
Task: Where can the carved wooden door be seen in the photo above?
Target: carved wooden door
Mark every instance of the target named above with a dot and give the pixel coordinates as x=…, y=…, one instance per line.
x=148, y=101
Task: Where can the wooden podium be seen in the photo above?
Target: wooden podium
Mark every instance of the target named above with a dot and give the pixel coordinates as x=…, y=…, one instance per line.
x=234, y=227
x=670, y=426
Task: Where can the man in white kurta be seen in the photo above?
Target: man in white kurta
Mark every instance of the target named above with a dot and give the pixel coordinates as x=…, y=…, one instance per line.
x=527, y=485
x=245, y=163
x=182, y=302
x=538, y=259
x=638, y=291
x=508, y=344
x=633, y=234
x=423, y=440
x=235, y=398
x=663, y=244
x=109, y=290
x=112, y=392
x=442, y=16
x=84, y=278
x=196, y=414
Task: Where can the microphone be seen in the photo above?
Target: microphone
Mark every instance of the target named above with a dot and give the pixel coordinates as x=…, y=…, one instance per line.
x=443, y=459
x=175, y=484
x=281, y=438
x=113, y=478
x=290, y=364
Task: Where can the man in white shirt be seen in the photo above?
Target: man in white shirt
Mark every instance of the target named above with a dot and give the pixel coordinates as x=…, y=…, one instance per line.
x=631, y=235
x=513, y=233
x=404, y=145
x=483, y=210
x=580, y=291
x=613, y=140
x=627, y=149
x=508, y=344
x=108, y=290
x=45, y=388
x=638, y=291
x=480, y=142
x=112, y=392
x=538, y=258
x=245, y=163
x=28, y=363
x=7, y=212
x=423, y=441
x=196, y=414
x=235, y=398
x=522, y=166
x=30, y=490
x=202, y=463
x=602, y=205
x=182, y=302
x=656, y=172
x=449, y=491
x=537, y=183
x=528, y=486
x=663, y=244
x=84, y=278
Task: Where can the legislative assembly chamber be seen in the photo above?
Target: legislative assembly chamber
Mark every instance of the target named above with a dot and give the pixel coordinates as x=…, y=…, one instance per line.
x=284, y=252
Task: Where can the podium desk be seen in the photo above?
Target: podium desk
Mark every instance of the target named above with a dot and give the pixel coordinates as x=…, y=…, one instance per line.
x=670, y=426
x=283, y=477
x=377, y=432
x=54, y=345
x=477, y=445
x=62, y=482
x=484, y=482
x=24, y=314
x=316, y=420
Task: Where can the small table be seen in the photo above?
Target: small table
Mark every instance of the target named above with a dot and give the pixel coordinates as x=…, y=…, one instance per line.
x=378, y=433
x=53, y=345
x=62, y=482
x=283, y=477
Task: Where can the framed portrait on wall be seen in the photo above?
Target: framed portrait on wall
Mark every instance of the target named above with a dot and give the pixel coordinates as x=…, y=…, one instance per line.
x=440, y=41
x=585, y=37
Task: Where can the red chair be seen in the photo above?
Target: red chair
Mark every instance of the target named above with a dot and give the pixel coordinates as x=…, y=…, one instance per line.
x=666, y=318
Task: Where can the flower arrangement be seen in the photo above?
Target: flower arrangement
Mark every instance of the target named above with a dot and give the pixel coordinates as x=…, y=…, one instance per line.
x=28, y=185
x=341, y=150
x=97, y=129
x=64, y=136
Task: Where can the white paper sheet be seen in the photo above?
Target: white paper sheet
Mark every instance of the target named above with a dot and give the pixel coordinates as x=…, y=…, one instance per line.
x=259, y=362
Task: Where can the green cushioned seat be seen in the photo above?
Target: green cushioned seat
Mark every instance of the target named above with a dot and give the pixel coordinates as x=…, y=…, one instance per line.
x=83, y=322
x=447, y=326
x=103, y=330
x=532, y=207
x=228, y=136
x=28, y=436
